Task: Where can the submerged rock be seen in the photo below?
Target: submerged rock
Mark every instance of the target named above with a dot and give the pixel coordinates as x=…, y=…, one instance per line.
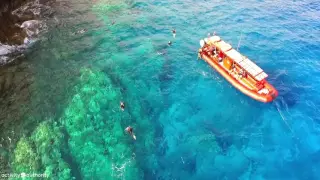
x=33, y=9
x=32, y=27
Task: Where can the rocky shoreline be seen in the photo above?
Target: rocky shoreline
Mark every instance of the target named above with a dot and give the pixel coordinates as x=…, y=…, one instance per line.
x=10, y=33
x=21, y=21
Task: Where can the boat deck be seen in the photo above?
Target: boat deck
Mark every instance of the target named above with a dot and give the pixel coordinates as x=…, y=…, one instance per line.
x=243, y=81
x=236, y=65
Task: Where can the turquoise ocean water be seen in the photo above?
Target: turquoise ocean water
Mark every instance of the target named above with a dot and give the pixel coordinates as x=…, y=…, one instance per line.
x=189, y=122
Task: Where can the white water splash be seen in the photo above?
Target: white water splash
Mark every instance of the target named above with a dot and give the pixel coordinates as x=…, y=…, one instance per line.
x=7, y=51
x=118, y=171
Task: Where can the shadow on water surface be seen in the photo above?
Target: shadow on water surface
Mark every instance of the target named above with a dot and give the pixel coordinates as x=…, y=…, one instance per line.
x=224, y=140
x=289, y=93
x=75, y=170
x=167, y=74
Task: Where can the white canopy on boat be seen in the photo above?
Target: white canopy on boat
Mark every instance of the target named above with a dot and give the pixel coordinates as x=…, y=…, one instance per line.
x=261, y=76
x=223, y=46
x=214, y=39
x=235, y=55
x=253, y=69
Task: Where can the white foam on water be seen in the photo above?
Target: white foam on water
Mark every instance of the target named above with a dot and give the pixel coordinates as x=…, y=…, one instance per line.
x=118, y=171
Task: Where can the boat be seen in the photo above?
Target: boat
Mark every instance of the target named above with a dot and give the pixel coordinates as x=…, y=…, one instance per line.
x=237, y=69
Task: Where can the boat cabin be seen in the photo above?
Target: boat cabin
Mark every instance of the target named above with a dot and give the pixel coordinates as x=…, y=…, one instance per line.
x=232, y=60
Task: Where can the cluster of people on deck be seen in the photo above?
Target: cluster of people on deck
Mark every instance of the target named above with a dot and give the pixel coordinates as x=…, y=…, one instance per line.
x=214, y=53
x=240, y=74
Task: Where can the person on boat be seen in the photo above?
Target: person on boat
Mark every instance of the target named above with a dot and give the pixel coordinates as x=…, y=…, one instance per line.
x=129, y=129
x=220, y=56
x=174, y=33
x=122, y=105
x=214, y=51
x=242, y=73
x=234, y=70
x=169, y=43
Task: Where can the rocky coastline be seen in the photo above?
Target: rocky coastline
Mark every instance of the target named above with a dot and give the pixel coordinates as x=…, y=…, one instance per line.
x=10, y=32
x=21, y=22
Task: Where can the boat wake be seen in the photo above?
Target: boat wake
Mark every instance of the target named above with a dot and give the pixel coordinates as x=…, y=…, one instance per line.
x=282, y=117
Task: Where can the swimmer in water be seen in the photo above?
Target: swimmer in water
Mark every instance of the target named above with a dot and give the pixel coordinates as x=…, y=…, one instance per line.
x=122, y=105
x=174, y=33
x=169, y=43
x=129, y=129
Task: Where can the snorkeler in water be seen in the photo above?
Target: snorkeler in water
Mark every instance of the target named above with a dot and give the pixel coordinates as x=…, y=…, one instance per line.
x=174, y=33
x=169, y=43
x=129, y=129
x=122, y=105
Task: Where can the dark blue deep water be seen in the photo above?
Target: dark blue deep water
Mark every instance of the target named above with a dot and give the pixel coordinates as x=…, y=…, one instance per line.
x=189, y=122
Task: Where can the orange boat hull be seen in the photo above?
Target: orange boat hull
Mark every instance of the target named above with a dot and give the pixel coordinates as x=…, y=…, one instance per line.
x=245, y=90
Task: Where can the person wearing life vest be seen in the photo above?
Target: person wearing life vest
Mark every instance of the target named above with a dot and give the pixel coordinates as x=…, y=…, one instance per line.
x=220, y=56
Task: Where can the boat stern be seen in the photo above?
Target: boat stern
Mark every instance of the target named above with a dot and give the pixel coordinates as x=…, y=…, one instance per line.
x=272, y=93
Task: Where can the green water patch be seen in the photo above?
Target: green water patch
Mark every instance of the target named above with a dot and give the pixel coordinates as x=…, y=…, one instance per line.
x=42, y=153
x=95, y=125
x=110, y=6
x=134, y=67
x=25, y=157
x=134, y=71
x=50, y=144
